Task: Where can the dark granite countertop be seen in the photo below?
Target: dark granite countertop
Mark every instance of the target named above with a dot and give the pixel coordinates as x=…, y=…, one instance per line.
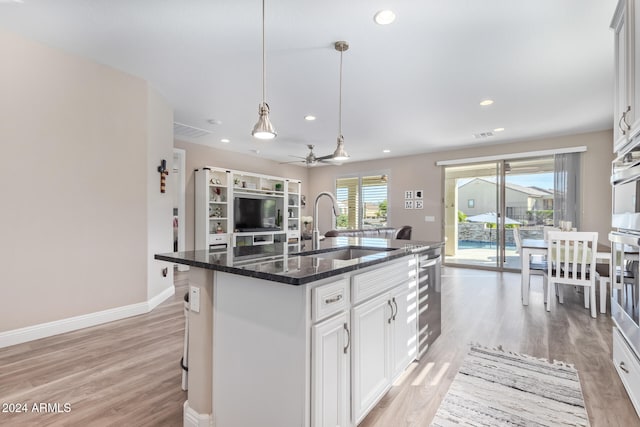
x=291, y=264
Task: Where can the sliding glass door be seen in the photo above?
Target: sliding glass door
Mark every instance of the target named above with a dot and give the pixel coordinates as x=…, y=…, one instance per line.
x=485, y=203
x=472, y=204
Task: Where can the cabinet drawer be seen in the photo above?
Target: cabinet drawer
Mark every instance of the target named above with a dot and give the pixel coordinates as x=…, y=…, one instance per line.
x=217, y=239
x=329, y=299
x=371, y=283
x=628, y=368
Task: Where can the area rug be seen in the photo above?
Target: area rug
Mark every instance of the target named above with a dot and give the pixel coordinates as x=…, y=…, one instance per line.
x=498, y=388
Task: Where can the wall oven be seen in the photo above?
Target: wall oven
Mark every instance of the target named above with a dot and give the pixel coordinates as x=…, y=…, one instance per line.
x=623, y=272
x=625, y=181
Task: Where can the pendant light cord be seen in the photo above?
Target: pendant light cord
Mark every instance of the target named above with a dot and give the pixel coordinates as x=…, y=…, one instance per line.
x=264, y=60
x=340, y=99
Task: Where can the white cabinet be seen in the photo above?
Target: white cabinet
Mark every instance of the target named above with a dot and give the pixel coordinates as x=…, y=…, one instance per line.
x=213, y=210
x=217, y=192
x=330, y=391
x=323, y=360
x=628, y=367
x=403, y=332
x=371, y=353
x=294, y=210
x=626, y=27
x=384, y=331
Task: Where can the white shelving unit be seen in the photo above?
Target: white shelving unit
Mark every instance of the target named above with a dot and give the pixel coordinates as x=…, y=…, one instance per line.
x=216, y=191
x=214, y=210
x=294, y=211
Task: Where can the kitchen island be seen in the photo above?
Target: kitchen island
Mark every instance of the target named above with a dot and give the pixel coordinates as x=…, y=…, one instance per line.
x=280, y=335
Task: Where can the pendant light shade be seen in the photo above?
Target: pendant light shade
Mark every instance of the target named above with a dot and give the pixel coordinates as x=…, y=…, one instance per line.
x=340, y=154
x=263, y=129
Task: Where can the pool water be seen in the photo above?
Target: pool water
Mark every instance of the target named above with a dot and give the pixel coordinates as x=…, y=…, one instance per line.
x=476, y=244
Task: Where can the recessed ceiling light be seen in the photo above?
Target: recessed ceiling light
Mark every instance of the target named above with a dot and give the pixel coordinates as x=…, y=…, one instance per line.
x=386, y=150
x=486, y=102
x=225, y=140
x=309, y=118
x=498, y=129
x=384, y=17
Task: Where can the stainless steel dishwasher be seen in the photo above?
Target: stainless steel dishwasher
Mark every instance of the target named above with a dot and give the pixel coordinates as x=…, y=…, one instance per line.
x=429, y=291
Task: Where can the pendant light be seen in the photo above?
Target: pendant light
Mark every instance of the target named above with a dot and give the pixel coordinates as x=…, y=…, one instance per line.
x=340, y=154
x=263, y=129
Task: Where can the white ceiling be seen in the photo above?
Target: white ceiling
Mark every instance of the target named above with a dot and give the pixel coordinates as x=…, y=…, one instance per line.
x=412, y=87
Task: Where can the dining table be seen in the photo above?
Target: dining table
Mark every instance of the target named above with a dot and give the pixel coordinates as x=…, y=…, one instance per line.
x=531, y=247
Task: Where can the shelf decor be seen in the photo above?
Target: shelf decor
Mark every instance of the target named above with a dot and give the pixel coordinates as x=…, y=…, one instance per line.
x=162, y=169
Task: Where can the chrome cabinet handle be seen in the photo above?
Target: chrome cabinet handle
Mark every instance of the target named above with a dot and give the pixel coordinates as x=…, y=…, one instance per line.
x=346, y=328
x=396, y=304
x=390, y=306
x=623, y=367
x=333, y=299
x=623, y=119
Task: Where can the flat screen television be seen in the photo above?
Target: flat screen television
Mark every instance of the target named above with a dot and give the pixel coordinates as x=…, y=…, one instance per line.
x=254, y=214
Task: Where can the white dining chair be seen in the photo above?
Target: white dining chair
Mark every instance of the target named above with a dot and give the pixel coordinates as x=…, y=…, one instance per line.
x=537, y=265
x=622, y=278
x=570, y=255
x=546, y=229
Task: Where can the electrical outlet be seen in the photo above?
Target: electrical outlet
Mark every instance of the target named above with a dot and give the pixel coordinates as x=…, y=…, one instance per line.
x=194, y=299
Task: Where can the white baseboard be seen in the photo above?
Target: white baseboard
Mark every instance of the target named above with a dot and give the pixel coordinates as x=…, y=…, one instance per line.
x=191, y=418
x=43, y=330
x=160, y=298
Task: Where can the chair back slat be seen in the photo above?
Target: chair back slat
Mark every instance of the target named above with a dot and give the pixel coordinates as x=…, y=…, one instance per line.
x=571, y=253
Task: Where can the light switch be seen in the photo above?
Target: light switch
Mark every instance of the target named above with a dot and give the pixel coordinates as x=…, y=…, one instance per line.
x=429, y=218
x=194, y=299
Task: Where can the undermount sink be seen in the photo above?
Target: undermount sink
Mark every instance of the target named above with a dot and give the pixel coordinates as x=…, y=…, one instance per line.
x=347, y=253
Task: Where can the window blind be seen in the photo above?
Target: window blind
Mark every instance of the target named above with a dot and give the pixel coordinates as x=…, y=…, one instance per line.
x=348, y=201
x=362, y=202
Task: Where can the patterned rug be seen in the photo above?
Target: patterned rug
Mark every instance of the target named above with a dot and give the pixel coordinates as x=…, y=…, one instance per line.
x=497, y=388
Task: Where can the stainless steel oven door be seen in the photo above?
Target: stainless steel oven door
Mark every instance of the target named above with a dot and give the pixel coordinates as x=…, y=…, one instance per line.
x=624, y=276
x=625, y=180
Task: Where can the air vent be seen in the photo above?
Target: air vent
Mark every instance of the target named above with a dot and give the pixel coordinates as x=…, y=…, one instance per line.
x=189, y=131
x=482, y=135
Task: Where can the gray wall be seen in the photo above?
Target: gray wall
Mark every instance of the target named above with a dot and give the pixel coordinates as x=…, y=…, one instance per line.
x=421, y=172
x=82, y=210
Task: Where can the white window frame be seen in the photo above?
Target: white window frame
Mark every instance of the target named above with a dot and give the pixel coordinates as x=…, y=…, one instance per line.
x=360, y=208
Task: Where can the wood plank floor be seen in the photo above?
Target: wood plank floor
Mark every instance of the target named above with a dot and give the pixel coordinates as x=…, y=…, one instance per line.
x=126, y=373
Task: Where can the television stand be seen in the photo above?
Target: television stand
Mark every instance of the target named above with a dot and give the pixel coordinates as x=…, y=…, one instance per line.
x=259, y=238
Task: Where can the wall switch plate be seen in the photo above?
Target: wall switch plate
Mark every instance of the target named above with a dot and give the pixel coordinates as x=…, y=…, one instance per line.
x=194, y=299
x=429, y=218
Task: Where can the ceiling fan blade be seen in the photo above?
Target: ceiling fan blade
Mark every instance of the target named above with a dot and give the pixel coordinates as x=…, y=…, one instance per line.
x=295, y=161
x=323, y=158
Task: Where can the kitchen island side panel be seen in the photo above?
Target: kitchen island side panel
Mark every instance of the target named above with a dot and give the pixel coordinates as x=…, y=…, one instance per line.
x=261, y=352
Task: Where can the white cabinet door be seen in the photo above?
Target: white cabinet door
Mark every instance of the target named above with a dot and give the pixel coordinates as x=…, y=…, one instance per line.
x=633, y=85
x=330, y=389
x=403, y=327
x=371, y=376
x=621, y=115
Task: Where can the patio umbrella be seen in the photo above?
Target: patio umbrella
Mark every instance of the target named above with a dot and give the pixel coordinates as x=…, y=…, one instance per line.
x=491, y=218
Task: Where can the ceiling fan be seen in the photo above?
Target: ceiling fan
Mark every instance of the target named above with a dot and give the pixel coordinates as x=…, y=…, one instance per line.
x=311, y=159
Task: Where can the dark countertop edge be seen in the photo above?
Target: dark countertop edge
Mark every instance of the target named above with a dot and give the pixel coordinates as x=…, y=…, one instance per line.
x=292, y=280
x=280, y=278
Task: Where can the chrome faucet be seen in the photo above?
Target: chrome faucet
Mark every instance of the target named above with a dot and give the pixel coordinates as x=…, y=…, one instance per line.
x=315, y=237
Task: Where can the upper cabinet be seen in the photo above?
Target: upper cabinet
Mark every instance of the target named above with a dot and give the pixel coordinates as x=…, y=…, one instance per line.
x=626, y=27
